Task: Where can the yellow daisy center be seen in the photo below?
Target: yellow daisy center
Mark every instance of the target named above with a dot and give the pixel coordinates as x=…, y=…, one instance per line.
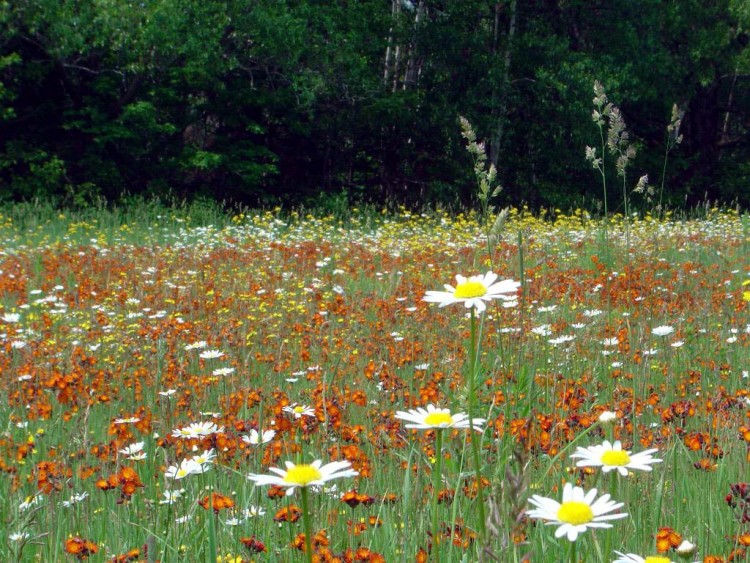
x=657, y=559
x=615, y=457
x=299, y=409
x=575, y=512
x=438, y=419
x=470, y=289
x=302, y=475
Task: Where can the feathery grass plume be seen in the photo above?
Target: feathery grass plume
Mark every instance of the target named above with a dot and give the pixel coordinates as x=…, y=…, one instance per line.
x=674, y=138
x=507, y=506
x=488, y=187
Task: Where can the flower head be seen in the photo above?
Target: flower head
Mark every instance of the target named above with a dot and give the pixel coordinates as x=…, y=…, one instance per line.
x=304, y=475
x=577, y=512
x=298, y=411
x=633, y=558
x=256, y=438
x=612, y=457
x=433, y=417
x=197, y=430
x=663, y=330
x=474, y=291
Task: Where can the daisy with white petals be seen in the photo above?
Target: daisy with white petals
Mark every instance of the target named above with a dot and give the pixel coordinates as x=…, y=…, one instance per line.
x=611, y=457
x=577, y=513
x=304, y=475
x=433, y=417
x=256, y=438
x=633, y=558
x=474, y=291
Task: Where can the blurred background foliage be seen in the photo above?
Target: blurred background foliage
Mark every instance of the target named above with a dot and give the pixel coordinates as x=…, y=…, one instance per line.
x=266, y=102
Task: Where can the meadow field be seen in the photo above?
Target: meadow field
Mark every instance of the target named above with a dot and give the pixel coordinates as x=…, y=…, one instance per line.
x=157, y=365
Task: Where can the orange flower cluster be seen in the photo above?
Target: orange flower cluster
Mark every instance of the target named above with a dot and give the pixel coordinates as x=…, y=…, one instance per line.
x=80, y=548
x=126, y=478
x=216, y=502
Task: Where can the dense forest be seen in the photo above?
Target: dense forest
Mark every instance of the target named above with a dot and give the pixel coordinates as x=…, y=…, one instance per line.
x=307, y=101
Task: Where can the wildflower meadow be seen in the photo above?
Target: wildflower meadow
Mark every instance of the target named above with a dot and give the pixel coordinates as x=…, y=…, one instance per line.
x=183, y=385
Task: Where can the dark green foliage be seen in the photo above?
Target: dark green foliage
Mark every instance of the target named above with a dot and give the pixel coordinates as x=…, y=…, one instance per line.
x=264, y=101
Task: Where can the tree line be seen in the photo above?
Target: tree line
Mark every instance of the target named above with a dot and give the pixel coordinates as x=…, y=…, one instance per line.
x=299, y=101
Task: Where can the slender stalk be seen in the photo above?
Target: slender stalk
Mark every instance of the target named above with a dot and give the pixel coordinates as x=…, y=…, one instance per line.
x=436, y=482
x=473, y=439
x=573, y=552
x=212, y=551
x=306, y=525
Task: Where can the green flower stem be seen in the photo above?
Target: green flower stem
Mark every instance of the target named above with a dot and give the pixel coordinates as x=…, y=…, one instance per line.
x=212, y=549
x=573, y=552
x=473, y=439
x=306, y=524
x=436, y=482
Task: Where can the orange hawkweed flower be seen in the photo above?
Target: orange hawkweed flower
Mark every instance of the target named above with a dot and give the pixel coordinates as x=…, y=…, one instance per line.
x=253, y=544
x=666, y=539
x=217, y=502
x=80, y=548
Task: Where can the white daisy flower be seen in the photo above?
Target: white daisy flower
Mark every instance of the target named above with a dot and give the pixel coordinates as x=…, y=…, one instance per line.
x=253, y=511
x=433, y=417
x=607, y=417
x=298, y=411
x=223, y=371
x=663, y=330
x=19, y=536
x=75, y=499
x=474, y=291
x=633, y=558
x=304, y=475
x=130, y=420
x=186, y=468
x=132, y=449
x=170, y=497
x=612, y=457
x=196, y=345
x=205, y=458
x=211, y=354
x=197, y=430
x=577, y=512
x=11, y=318
x=256, y=438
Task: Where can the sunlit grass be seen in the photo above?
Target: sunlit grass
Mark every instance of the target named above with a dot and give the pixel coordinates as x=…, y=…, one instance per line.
x=120, y=328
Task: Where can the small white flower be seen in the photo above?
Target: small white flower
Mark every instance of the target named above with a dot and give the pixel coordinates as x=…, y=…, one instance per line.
x=612, y=457
x=184, y=519
x=233, y=522
x=298, y=411
x=11, y=317
x=313, y=475
x=222, y=371
x=663, y=330
x=75, y=499
x=433, y=417
x=633, y=558
x=253, y=511
x=19, y=536
x=205, y=458
x=686, y=549
x=474, y=291
x=170, y=497
x=607, y=416
x=255, y=438
x=168, y=392
x=186, y=468
x=130, y=420
x=197, y=430
x=211, y=354
x=132, y=449
x=577, y=512
x=197, y=345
